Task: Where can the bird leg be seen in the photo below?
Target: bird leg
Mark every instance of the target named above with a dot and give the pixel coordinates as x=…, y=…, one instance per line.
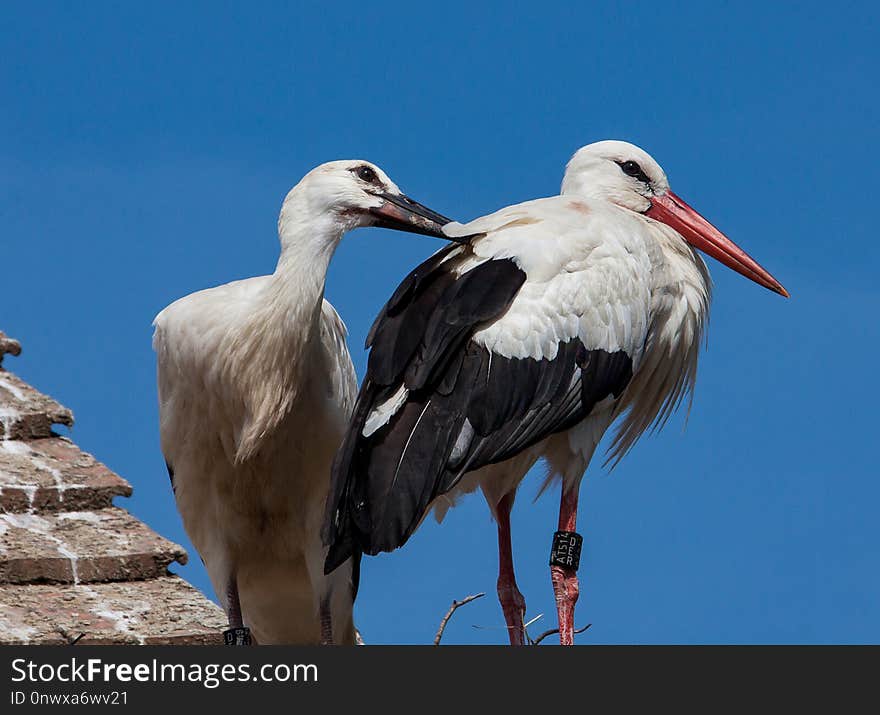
x=564, y=560
x=237, y=634
x=512, y=602
x=324, y=614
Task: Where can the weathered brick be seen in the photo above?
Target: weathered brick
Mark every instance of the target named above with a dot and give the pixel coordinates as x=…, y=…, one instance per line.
x=53, y=474
x=8, y=346
x=26, y=413
x=70, y=562
x=89, y=546
x=160, y=611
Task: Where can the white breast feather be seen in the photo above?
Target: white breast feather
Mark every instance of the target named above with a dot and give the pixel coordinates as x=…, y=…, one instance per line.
x=681, y=294
x=588, y=277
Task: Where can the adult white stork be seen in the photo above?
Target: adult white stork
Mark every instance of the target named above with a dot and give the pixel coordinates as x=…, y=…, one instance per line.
x=256, y=386
x=557, y=316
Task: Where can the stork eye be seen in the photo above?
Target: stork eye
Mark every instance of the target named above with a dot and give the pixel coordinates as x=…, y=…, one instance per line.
x=365, y=173
x=631, y=168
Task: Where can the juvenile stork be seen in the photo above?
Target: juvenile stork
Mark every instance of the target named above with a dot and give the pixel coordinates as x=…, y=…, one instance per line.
x=255, y=390
x=556, y=317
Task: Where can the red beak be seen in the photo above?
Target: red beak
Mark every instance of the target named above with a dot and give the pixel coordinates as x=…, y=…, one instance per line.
x=702, y=235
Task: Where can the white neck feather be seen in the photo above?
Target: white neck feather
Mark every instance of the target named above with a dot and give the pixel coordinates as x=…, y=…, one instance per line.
x=275, y=351
x=667, y=372
x=307, y=246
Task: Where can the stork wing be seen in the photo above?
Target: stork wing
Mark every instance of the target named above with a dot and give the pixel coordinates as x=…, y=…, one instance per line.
x=438, y=402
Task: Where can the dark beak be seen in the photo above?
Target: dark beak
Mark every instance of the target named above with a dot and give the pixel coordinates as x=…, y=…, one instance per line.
x=401, y=213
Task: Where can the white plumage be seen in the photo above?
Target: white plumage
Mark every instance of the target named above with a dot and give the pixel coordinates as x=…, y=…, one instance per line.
x=594, y=273
x=256, y=386
x=556, y=317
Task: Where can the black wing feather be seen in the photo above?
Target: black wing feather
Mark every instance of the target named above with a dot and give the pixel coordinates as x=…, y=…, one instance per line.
x=576, y=391
x=465, y=408
x=398, y=329
x=479, y=295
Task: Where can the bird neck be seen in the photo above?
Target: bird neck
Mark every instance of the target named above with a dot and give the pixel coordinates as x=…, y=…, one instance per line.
x=680, y=295
x=307, y=246
x=285, y=327
x=682, y=271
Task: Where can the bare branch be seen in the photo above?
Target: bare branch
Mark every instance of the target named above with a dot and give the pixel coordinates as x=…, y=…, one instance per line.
x=452, y=609
x=556, y=630
x=533, y=621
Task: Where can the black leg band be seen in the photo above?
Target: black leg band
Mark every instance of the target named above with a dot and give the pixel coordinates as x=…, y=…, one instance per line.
x=566, y=550
x=237, y=636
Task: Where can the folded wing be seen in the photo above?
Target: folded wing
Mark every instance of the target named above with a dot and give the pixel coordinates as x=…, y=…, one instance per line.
x=439, y=400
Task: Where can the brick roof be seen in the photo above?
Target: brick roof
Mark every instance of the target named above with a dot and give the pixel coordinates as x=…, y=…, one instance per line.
x=72, y=563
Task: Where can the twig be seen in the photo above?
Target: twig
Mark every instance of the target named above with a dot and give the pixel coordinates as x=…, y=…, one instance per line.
x=533, y=621
x=452, y=609
x=556, y=630
x=77, y=639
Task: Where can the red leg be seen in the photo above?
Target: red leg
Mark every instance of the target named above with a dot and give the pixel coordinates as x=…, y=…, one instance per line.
x=565, y=581
x=512, y=602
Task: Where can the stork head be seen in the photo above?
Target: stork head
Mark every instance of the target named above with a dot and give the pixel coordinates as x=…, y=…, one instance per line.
x=354, y=193
x=628, y=176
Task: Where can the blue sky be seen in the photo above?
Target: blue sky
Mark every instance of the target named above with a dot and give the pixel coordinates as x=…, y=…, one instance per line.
x=144, y=155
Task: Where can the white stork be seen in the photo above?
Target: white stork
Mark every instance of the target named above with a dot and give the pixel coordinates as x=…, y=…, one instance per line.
x=256, y=386
x=554, y=318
